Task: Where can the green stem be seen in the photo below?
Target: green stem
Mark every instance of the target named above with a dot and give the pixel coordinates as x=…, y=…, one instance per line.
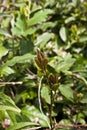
x=51, y=108
x=51, y=99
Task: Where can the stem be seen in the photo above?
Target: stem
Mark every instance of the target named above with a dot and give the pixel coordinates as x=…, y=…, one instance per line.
x=39, y=95
x=12, y=83
x=39, y=99
x=51, y=108
x=51, y=99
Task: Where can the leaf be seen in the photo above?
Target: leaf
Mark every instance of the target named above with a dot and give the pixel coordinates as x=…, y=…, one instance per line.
x=47, y=25
x=26, y=46
x=44, y=38
x=84, y=99
x=20, y=26
x=20, y=59
x=5, y=70
x=69, y=19
x=63, y=34
x=29, y=31
x=10, y=108
x=39, y=17
x=66, y=91
x=16, y=31
x=13, y=116
x=20, y=22
x=17, y=126
x=45, y=94
x=4, y=14
x=3, y=51
x=62, y=64
x=4, y=32
x=6, y=103
x=75, y=2
x=83, y=38
x=6, y=99
x=32, y=113
x=65, y=65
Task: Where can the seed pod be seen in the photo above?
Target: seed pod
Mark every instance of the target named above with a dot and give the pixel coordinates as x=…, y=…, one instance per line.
x=40, y=55
x=38, y=64
x=54, y=81
x=45, y=61
x=41, y=60
x=51, y=79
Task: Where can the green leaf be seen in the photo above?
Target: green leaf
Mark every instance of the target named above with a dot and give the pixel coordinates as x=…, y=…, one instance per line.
x=4, y=32
x=44, y=38
x=62, y=64
x=21, y=125
x=5, y=70
x=6, y=103
x=20, y=59
x=63, y=34
x=20, y=26
x=65, y=65
x=83, y=38
x=84, y=99
x=45, y=94
x=32, y=113
x=13, y=116
x=66, y=91
x=4, y=14
x=75, y=2
x=29, y=31
x=69, y=19
x=26, y=46
x=16, y=31
x=39, y=17
x=3, y=51
x=10, y=108
x=47, y=25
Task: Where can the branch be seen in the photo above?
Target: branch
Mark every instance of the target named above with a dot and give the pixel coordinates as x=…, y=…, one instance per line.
x=34, y=128
x=4, y=2
x=12, y=83
x=70, y=125
x=39, y=94
x=39, y=99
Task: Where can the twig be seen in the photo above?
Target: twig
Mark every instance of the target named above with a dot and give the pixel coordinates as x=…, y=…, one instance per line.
x=12, y=83
x=3, y=6
x=34, y=128
x=4, y=2
x=39, y=99
x=70, y=126
x=39, y=94
x=78, y=76
x=51, y=108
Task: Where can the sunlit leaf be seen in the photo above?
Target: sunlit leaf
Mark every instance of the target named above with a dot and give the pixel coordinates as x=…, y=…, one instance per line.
x=45, y=94
x=6, y=103
x=10, y=108
x=83, y=38
x=63, y=33
x=84, y=99
x=63, y=64
x=22, y=125
x=44, y=38
x=3, y=51
x=20, y=59
x=40, y=16
x=32, y=113
x=4, y=32
x=5, y=70
x=66, y=91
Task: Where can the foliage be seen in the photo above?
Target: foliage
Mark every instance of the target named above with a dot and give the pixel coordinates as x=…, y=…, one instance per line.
x=43, y=66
